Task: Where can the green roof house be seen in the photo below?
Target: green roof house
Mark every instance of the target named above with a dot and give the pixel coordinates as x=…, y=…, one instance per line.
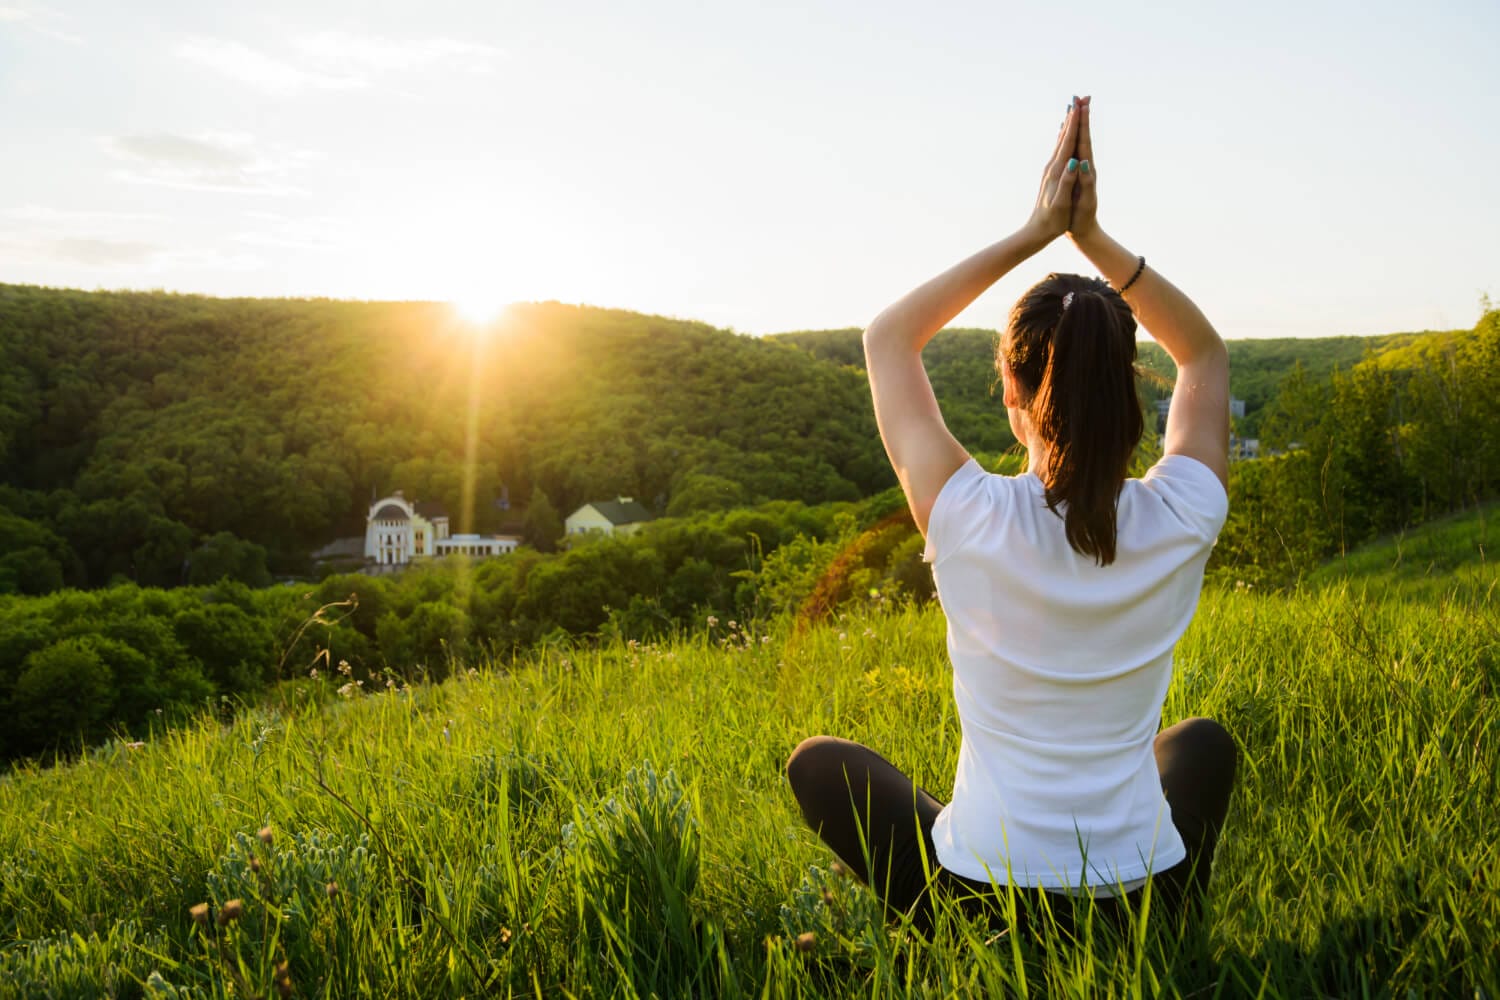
x=621, y=515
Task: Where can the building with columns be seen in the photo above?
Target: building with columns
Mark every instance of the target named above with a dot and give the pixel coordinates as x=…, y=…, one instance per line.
x=398, y=531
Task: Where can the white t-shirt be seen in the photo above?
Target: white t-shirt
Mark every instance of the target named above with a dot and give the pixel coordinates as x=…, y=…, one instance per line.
x=1060, y=667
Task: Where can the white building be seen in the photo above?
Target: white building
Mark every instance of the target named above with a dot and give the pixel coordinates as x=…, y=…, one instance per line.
x=398, y=531
x=622, y=515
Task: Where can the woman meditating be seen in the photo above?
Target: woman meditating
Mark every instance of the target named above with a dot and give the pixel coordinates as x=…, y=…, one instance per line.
x=1065, y=590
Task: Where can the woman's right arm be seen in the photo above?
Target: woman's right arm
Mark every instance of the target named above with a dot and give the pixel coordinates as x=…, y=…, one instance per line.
x=1198, y=422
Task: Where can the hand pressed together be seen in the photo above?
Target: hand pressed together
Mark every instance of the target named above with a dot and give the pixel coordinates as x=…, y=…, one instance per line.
x=1067, y=201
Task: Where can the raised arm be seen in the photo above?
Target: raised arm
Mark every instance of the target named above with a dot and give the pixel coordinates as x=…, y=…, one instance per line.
x=1198, y=422
x=918, y=443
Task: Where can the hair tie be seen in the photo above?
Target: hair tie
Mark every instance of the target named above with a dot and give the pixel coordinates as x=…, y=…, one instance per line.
x=1067, y=301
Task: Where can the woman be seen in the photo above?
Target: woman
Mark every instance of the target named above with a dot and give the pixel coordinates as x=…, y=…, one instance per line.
x=1065, y=590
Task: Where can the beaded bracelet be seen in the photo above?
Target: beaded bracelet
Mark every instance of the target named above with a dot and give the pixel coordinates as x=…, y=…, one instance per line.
x=1138, y=269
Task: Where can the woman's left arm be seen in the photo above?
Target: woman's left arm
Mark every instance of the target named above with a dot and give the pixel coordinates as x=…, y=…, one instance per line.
x=922, y=451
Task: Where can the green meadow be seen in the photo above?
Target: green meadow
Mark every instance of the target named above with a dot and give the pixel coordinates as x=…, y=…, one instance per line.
x=614, y=820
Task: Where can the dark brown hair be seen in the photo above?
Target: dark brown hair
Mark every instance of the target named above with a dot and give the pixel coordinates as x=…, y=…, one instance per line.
x=1076, y=372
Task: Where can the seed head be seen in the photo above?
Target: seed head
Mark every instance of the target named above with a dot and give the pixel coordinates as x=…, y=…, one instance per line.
x=265, y=835
x=254, y=864
x=283, y=979
x=827, y=897
x=839, y=868
x=231, y=911
x=332, y=888
x=199, y=914
x=807, y=941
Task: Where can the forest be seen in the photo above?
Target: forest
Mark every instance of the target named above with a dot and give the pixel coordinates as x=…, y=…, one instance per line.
x=166, y=457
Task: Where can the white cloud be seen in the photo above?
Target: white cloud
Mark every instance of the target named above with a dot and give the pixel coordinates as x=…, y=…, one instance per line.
x=39, y=19
x=213, y=161
x=332, y=60
x=99, y=254
x=240, y=62
x=364, y=56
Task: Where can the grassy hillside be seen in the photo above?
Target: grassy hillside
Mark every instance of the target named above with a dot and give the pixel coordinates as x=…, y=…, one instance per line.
x=616, y=823
x=1452, y=554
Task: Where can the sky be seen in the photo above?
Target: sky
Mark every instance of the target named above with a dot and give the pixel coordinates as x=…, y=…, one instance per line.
x=1300, y=169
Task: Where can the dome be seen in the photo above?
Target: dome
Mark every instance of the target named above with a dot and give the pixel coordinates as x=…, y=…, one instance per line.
x=390, y=512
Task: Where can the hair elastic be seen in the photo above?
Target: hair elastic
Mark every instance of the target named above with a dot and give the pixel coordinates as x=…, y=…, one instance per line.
x=1067, y=301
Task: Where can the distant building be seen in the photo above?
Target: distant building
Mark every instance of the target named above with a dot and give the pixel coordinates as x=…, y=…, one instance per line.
x=622, y=515
x=398, y=531
x=1163, y=406
x=1243, y=447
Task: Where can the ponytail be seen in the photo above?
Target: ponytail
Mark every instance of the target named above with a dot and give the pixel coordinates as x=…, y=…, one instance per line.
x=1084, y=403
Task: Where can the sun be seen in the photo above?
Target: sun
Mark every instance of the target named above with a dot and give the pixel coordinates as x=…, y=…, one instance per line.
x=480, y=307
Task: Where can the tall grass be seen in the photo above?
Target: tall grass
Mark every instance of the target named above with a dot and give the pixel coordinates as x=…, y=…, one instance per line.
x=615, y=822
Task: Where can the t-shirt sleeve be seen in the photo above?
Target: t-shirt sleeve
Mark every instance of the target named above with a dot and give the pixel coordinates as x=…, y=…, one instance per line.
x=1192, y=492
x=959, y=508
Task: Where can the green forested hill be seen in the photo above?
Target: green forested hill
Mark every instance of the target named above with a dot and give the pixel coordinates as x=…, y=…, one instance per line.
x=135, y=425
x=961, y=365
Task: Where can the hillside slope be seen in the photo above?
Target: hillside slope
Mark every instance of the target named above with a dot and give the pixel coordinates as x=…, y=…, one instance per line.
x=616, y=821
x=133, y=425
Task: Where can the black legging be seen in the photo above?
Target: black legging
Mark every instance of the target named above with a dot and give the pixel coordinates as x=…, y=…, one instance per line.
x=864, y=807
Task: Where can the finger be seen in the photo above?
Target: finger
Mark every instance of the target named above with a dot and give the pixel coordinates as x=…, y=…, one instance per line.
x=1067, y=184
x=1062, y=132
x=1085, y=148
x=1065, y=149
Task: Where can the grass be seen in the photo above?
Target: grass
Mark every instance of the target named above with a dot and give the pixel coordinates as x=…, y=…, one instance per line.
x=1432, y=561
x=615, y=822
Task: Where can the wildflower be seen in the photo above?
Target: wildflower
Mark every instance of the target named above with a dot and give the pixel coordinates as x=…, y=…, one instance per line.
x=283, y=979
x=505, y=935
x=712, y=621
x=345, y=669
x=254, y=864
x=199, y=914
x=839, y=868
x=332, y=888
x=733, y=624
x=390, y=683
x=827, y=897
x=158, y=711
x=136, y=745
x=348, y=690
x=473, y=671
x=448, y=733
x=231, y=911
x=807, y=941
x=764, y=639
x=265, y=835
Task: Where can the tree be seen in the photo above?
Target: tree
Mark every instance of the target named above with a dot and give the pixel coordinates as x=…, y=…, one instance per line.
x=225, y=556
x=543, y=525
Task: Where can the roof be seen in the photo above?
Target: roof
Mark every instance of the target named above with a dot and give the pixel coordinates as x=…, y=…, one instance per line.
x=390, y=512
x=342, y=548
x=619, y=512
x=431, y=508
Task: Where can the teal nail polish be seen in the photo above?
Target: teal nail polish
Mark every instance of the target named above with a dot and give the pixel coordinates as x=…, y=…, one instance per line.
x=1072, y=165
x=1085, y=165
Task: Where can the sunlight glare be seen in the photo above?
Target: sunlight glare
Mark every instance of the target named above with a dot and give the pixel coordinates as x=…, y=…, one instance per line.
x=480, y=307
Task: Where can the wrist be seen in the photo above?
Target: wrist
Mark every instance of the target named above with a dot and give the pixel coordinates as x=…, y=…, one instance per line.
x=1032, y=238
x=1088, y=240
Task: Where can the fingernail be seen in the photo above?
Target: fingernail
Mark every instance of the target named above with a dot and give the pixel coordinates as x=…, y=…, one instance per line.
x=1072, y=165
x=1084, y=164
